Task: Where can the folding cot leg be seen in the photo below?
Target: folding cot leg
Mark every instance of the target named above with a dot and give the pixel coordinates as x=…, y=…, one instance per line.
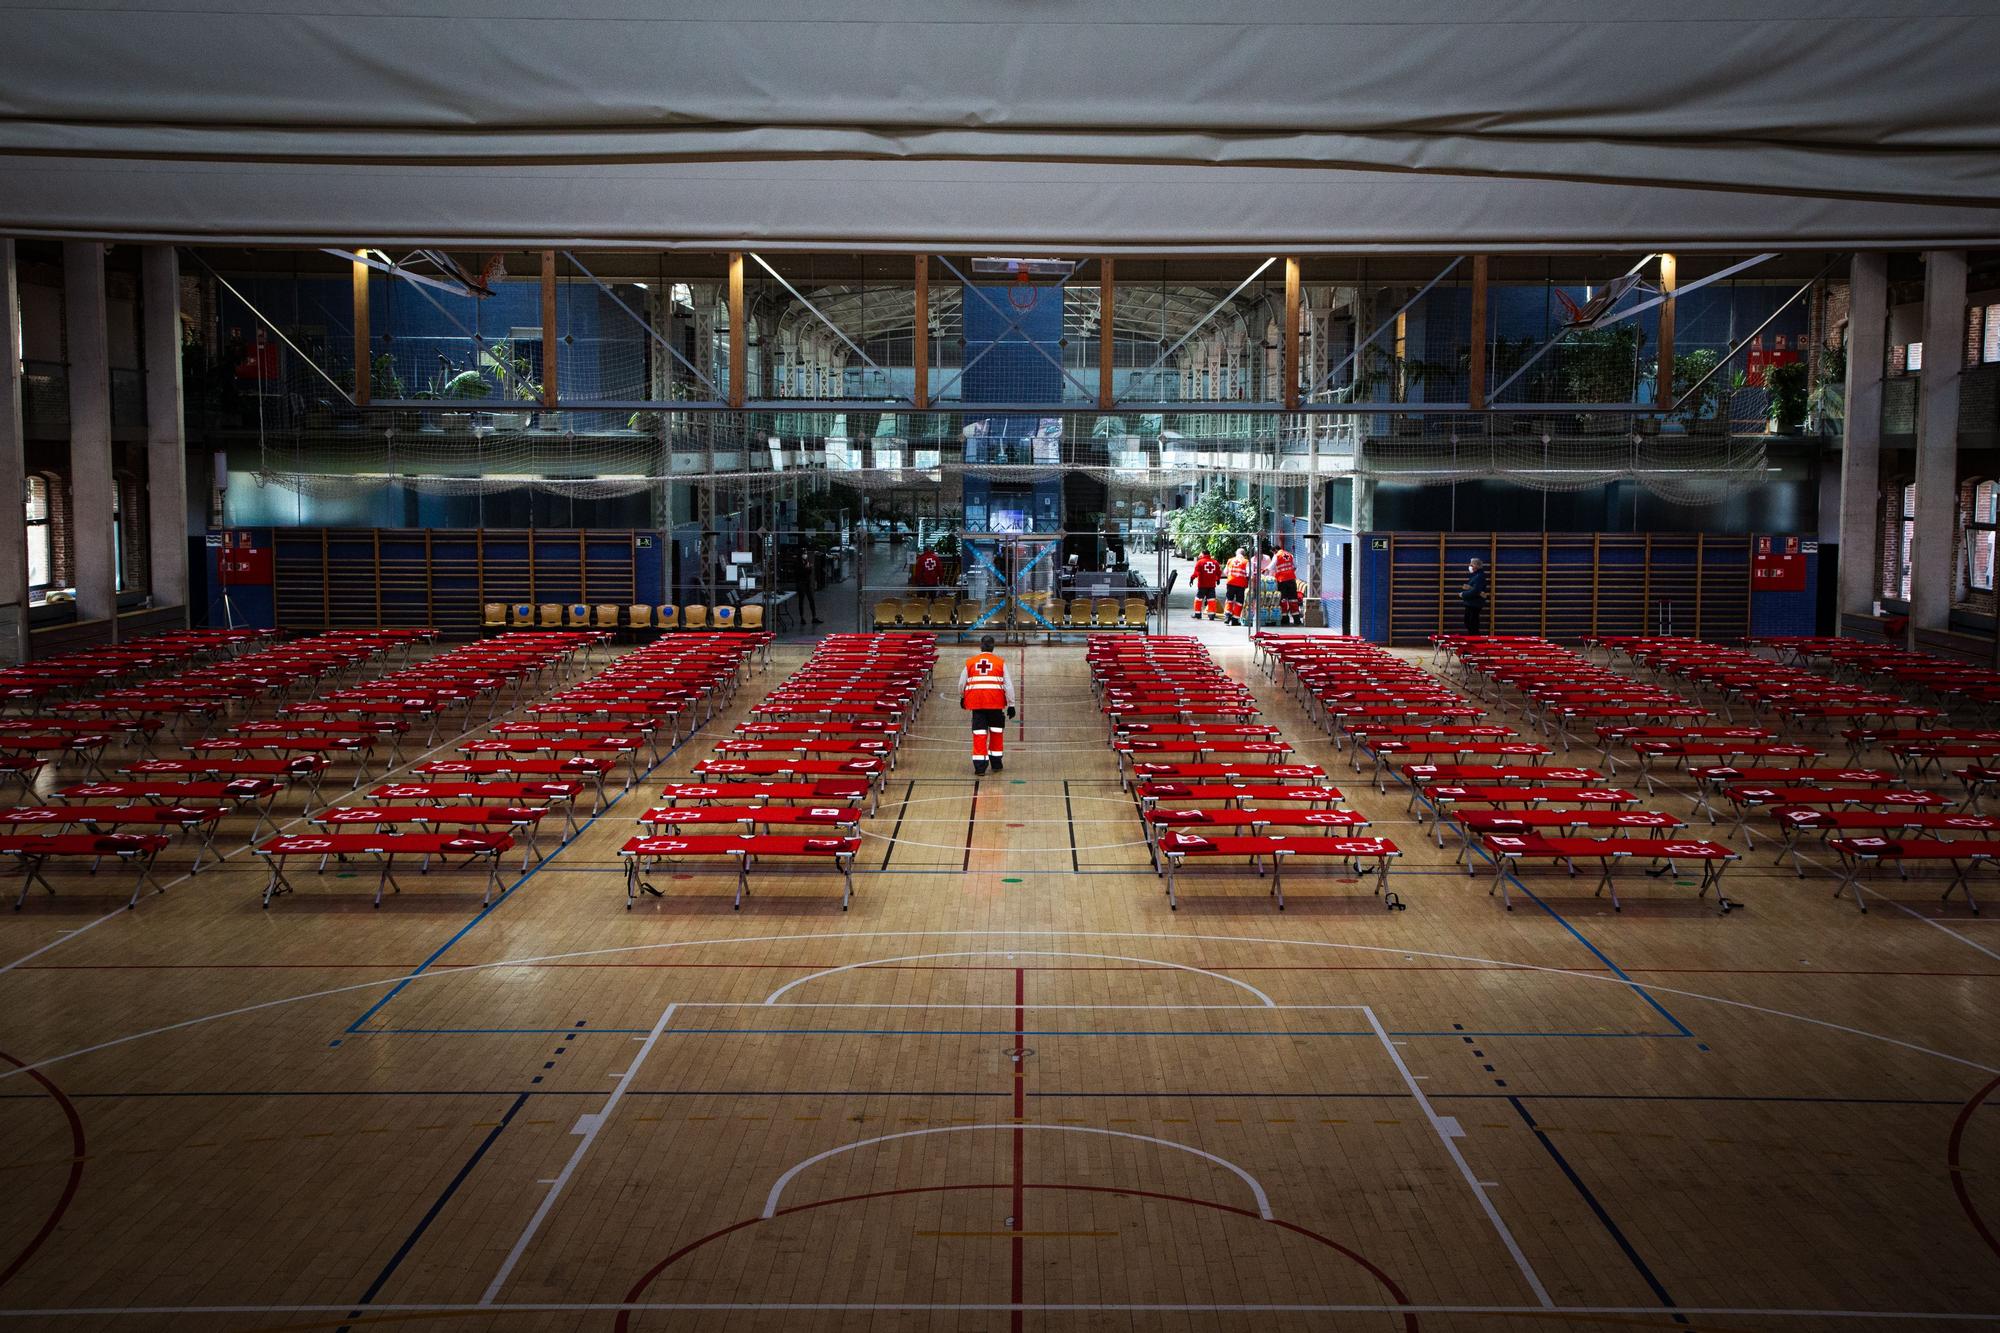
x=846, y=864
x=211, y=828
x=145, y=875
x=1500, y=882
x=1173, y=864
x=742, y=880
x=1278, y=878
x=492, y=876
x=387, y=877
x=1850, y=871
x=1711, y=878
x=31, y=873
x=278, y=883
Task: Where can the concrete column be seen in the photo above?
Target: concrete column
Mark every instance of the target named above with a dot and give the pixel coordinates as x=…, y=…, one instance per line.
x=1861, y=444
x=92, y=559
x=1933, y=581
x=13, y=471
x=166, y=439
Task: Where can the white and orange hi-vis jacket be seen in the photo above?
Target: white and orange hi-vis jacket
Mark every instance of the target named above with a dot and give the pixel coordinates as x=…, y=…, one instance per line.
x=984, y=683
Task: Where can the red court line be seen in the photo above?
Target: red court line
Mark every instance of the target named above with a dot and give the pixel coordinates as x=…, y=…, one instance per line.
x=1958, y=1173
x=624, y=1321
x=1017, y=1242
x=935, y=967
x=77, y=1148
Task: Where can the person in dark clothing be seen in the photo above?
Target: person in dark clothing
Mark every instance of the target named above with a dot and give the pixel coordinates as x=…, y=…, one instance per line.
x=801, y=563
x=1473, y=594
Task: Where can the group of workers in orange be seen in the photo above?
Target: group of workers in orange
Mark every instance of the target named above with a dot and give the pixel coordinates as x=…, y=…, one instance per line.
x=1209, y=573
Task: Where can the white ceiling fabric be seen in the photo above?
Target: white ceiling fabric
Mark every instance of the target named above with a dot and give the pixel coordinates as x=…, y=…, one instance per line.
x=1304, y=124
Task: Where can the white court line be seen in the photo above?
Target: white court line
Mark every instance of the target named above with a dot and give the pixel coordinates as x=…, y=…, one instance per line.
x=642, y=1307
x=778, y=1188
x=1458, y=1158
x=1904, y=908
x=589, y=1127
x=772, y=998
x=532, y=960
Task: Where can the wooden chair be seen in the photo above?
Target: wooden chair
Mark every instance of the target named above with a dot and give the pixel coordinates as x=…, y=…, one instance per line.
x=751, y=617
x=888, y=613
x=670, y=616
x=521, y=616
x=695, y=616
x=549, y=615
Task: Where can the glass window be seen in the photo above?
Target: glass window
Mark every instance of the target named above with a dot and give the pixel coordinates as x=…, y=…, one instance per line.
x=1980, y=535
x=1906, y=538
x=1989, y=347
x=1913, y=360
x=38, y=533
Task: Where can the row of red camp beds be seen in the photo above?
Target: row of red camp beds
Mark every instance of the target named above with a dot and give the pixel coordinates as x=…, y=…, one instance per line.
x=851, y=699
x=1175, y=671
x=1914, y=672
x=1557, y=802
x=86, y=670
x=480, y=808
x=87, y=728
x=1241, y=767
x=1348, y=686
x=1908, y=732
x=180, y=806
x=1851, y=808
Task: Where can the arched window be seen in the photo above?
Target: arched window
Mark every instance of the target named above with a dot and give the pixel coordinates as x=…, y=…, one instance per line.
x=1982, y=522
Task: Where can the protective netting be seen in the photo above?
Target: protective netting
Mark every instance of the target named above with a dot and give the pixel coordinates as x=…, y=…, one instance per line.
x=588, y=455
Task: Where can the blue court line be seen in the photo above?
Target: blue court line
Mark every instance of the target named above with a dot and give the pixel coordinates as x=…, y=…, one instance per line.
x=494, y=906
x=423, y=1225
x=1631, y=1251
x=1472, y=844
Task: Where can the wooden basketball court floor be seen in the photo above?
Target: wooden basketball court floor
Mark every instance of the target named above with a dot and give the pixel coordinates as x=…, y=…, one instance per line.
x=1009, y=1088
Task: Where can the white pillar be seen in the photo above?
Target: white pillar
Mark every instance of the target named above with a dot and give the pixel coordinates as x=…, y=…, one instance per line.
x=1861, y=442
x=1363, y=519
x=92, y=557
x=166, y=440
x=13, y=471
x=1933, y=581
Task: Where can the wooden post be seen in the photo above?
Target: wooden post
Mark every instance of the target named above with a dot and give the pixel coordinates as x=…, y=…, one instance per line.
x=549, y=329
x=1475, y=392
x=920, y=339
x=1107, y=305
x=363, y=362
x=1291, y=366
x=1663, y=383
x=739, y=334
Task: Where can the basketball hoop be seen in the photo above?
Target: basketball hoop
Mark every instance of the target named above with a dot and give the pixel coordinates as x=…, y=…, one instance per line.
x=1022, y=295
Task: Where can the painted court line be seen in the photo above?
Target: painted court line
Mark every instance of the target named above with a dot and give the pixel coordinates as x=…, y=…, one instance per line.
x=589, y=1127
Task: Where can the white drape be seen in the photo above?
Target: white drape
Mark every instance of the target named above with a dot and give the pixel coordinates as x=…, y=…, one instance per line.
x=1309, y=124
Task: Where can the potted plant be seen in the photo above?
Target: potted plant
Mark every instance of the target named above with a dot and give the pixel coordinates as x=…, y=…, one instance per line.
x=1601, y=366
x=1786, y=387
x=385, y=384
x=1706, y=412
x=465, y=386
x=947, y=546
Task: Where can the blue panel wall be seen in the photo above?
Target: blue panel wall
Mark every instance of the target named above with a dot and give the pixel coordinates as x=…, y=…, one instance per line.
x=1788, y=612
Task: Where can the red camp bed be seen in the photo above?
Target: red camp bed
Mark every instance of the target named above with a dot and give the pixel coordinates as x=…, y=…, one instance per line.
x=386, y=847
x=1233, y=794
x=521, y=820
x=744, y=849
x=33, y=851
x=1509, y=849
x=1963, y=857
x=1176, y=847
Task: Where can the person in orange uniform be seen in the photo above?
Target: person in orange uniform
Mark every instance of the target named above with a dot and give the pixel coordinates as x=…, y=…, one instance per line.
x=987, y=691
x=1207, y=573
x=1236, y=574
x=1285, y=573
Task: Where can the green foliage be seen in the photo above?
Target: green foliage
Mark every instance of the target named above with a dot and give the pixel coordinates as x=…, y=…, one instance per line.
x=1786, y=387
x=383, y=381
x=1706, y=410
x=1216, y=523
x=947, y=543
x=467, y=384
x=1601, y=365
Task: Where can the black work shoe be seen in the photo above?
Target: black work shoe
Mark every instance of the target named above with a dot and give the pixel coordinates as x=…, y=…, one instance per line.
x=998, y=763
x=979, y=768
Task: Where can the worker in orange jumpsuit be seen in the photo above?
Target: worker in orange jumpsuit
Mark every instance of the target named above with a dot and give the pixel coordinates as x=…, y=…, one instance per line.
x=1236, y=575
x=987, y=692
x=1207, y=573
x=1285, y=573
